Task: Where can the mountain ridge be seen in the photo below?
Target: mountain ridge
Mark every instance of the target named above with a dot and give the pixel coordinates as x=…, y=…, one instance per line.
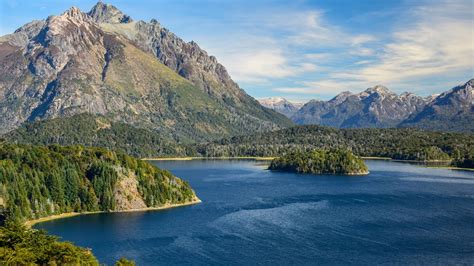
x=71, y=64
x=380, y=107
x=281, y=105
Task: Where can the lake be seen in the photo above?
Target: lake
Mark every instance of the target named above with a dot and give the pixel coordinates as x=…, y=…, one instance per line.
x=399, y=213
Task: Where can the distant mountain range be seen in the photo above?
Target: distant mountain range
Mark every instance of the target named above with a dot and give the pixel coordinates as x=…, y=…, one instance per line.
x=452, y=110
x=134, y=72
x=281, y=105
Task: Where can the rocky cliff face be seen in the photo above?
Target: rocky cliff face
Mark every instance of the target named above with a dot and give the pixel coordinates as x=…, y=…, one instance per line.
x=104, y=63
x=281, y=105
x=374, y=107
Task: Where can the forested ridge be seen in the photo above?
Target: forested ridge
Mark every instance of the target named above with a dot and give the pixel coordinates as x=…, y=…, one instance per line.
x=334, y=161
x=38, y=181
x=402, y=144
x=396, y=143
x=96, y=131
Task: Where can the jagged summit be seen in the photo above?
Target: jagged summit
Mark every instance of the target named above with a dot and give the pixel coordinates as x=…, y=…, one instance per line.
x=450, y=110
x=341, y=97
x=281, y=105
x=102, y=63
x=380, y=107
x=380, y=89
x=107, y=13
x=373, y=107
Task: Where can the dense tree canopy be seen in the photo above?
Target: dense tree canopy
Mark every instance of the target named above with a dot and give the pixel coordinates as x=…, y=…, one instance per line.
x=402, y=144
x=335, y=161
x=22, y=246
x=37, y=181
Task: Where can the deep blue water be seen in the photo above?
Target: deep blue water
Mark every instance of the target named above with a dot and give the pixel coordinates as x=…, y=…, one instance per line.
x=400, y=213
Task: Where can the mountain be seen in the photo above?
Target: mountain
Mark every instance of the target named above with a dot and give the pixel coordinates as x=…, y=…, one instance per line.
x=281, y=105
x=452, y=110
x=374, y=107
x=105, y=63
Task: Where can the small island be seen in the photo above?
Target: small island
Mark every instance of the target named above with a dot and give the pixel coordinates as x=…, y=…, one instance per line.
x=336, y=161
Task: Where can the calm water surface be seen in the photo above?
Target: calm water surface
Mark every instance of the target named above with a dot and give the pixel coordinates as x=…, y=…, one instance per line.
x=400, y=213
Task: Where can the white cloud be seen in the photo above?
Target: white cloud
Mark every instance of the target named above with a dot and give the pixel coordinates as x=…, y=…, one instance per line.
x=439, y=41
x=271, y=47
x=428, y=41
x=258, y=64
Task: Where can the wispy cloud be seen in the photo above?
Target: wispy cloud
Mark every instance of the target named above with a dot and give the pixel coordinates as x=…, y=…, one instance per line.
x=271, y=46
x=433, y=40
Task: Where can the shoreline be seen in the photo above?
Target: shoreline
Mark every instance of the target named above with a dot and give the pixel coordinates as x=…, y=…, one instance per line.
x=166, y=206
x=451, y=168
x=256, y=158
x=375, y=158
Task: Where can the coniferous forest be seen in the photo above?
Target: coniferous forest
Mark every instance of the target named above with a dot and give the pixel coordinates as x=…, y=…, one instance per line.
x=400, y=144
x=336, y=161
x=37, y=181
x=395, y=143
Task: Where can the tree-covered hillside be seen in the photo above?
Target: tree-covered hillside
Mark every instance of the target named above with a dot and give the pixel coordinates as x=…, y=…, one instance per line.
x=37, y=181
x=96, y=131
x=335, y=161
x=403, y=144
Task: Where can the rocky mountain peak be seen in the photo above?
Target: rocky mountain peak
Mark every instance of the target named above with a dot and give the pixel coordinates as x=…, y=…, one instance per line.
x=281, y=105
x=378, y=89
x=72, y=14
x=107, y=13
x=340, y=97
x=462, y=95
x=98, y=63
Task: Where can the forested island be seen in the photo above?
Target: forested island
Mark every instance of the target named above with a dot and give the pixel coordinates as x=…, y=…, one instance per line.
x=335, y=161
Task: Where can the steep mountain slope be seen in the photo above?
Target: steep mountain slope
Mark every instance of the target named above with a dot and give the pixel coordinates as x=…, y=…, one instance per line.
x=281, y=105
x=374, y=107
x=452, y=110
x=186, y=59
x=71, y=64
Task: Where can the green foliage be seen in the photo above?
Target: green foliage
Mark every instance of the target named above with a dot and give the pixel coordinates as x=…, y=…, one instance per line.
x=22, y=246
x=466, y=161
x=124, y=262
x=336, y=161
x=38, y=181
x=96, y=131
x=402, y=144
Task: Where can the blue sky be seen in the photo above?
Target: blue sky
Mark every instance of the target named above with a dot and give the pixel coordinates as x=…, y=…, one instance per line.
x=309, y=49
